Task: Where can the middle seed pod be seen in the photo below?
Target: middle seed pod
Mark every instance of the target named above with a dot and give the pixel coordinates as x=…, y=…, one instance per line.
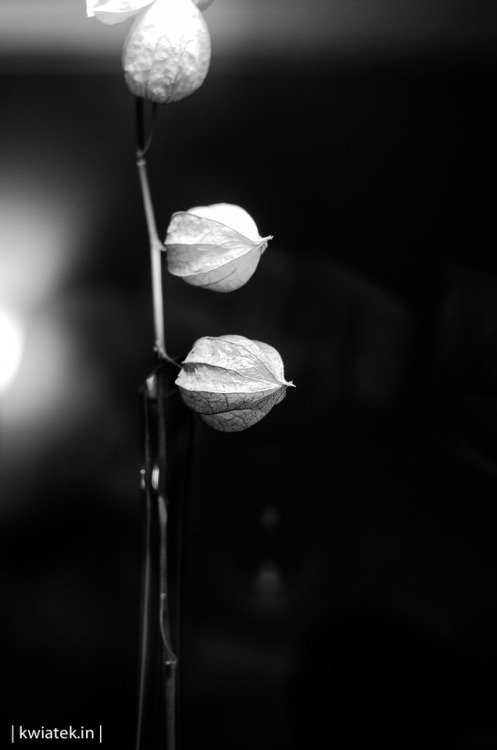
x=217, y=247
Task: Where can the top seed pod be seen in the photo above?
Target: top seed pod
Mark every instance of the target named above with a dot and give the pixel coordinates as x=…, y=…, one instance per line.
x=167, y=51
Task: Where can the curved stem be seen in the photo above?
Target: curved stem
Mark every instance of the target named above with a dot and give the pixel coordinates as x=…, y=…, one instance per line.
x=144, y=140
x=156, y=604
x=156, y=247
x=155, y=259
x=158, y=695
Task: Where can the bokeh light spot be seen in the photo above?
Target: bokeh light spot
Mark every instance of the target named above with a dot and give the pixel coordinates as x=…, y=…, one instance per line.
x=11, y=348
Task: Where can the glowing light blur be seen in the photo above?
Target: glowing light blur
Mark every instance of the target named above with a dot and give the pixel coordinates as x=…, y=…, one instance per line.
x=255, y=27
x=42, y=234
x=11, y=348
x=36, y=247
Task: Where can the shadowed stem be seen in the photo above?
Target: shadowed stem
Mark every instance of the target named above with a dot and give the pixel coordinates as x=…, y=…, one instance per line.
x=158, y=667
x=157, y=726
x=160, y=480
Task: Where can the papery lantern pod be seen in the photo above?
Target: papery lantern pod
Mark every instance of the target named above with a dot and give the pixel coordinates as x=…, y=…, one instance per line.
x=167, y=51
x=114, y=11
x=117, y=11
x=217, y=247
x=232, y=382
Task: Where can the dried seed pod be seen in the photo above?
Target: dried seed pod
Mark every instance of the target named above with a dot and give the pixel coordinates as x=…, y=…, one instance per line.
x=217, y=247
x=167, y=51
x=232, y=381
x=117, y=11
x=114, y=11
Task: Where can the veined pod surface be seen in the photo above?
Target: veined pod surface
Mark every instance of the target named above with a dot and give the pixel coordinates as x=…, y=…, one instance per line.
x=167, y=51
x=217, y=247
x=231, y=381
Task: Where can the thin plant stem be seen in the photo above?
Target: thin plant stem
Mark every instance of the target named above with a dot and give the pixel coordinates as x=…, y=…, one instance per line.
x=158, y=726
x=149, y=725
x=156, y=247
x=155, y=260
x=170, y=658
x=157, y=510
x=144, y=140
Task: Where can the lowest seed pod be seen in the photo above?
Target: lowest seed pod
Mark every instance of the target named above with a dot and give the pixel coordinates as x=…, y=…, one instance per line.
x=231, y=381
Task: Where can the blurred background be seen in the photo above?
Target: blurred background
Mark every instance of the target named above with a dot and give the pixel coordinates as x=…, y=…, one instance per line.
x=340, y=559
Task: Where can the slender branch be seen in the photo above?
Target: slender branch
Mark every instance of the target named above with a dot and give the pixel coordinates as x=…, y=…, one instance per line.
x=156, y=247
x=170, y=658
x=143, y=141
x=155, y=259
x=155, y=485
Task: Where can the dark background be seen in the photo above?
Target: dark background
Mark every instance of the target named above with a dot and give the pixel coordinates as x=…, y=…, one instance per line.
x=340, y=559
